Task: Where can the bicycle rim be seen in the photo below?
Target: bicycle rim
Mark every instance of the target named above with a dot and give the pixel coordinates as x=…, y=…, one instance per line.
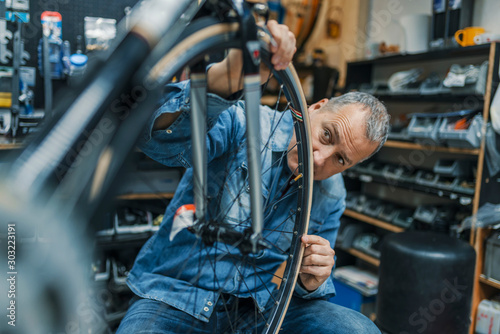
x=279, y=283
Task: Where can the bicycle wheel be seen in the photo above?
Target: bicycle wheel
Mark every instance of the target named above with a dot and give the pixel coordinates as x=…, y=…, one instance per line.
x=255, y=279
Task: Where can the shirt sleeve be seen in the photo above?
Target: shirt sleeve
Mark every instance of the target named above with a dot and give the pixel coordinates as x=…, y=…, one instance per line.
x=172, y=146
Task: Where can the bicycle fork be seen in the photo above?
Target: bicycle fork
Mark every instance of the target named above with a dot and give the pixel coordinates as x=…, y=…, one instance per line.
x=198, y=137
x=251, y=86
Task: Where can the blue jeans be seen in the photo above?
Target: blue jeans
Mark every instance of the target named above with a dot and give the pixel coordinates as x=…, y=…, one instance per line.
x=303, y=316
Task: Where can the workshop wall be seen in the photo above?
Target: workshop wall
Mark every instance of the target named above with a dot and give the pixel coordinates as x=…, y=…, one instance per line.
x=73, y=13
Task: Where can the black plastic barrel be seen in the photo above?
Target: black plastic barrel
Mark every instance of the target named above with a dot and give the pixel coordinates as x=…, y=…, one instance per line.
x=425, y=284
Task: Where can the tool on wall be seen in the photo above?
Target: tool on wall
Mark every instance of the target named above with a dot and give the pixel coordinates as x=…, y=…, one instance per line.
x=16, y=64
x=334, y=23
x=50, y=55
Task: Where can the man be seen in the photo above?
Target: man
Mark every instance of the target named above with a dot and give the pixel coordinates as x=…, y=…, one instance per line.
x=345, y=131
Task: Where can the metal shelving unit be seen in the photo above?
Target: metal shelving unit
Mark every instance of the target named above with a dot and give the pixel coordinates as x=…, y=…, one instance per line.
x=367, y=72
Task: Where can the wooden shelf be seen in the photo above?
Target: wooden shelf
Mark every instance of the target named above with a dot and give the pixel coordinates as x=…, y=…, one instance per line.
x=10, y=146
x=363, y=256
x=489, y=281
x=414, y=146
x=460, y=193
x=146, y=196
x=372, y=221
x=9, y=143
x=386, y=96
x=448, y=53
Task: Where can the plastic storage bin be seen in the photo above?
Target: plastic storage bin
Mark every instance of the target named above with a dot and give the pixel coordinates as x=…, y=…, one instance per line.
x=363, y=167
x=426, y=214
x=399, y=134
x=409, y=175
x=388, y=212
x=427, y=178
x=403, y=218
x=368, y=243
x=393, y=172
x=376, y=168
x=447, y=182
x=431, y=214
x=348, y=232
x=133, y=221
x=466, y=138
x=492, y=257
x=102, y=271
x=465, y=187
x=360, y=204
x=352, y=200
x=373, y=207
x=462, y=168
x=424, y=128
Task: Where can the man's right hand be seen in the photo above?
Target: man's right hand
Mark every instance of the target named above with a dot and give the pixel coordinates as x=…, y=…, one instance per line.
x=224, y=78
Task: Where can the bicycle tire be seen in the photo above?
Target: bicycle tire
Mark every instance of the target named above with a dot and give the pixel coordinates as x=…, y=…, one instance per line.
x=203, y=36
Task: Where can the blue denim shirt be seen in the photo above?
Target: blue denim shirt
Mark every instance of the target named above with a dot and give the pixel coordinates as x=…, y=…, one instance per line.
x=155, y=272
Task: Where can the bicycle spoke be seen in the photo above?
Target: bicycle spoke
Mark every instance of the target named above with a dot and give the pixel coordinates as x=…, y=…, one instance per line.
x=276, y=229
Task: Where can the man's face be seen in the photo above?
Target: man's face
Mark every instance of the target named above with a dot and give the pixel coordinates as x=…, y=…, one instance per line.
x=338, y=140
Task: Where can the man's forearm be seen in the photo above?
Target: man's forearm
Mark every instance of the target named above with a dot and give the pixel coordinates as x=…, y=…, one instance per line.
x=226, y=78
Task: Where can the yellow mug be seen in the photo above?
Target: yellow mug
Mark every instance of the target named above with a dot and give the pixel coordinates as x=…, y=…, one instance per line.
x=467, y=35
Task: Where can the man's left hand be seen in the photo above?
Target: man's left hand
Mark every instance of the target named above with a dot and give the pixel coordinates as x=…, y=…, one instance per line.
x=317, y=262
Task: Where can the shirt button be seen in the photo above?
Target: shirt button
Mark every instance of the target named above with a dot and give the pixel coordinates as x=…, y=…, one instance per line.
x=187, y=100
x=205, y=309
x=169, y=131
x=275, y=207
x=209, y=304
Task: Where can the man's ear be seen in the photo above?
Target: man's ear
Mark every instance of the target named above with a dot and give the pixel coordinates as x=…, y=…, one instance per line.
x=316, y=106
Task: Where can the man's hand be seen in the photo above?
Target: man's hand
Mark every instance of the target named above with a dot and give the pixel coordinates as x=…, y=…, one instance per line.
x=317, y=262
x=224, y=78
x=284, y=48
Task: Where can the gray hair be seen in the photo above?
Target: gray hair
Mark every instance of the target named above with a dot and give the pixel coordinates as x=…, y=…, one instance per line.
x=377, y=119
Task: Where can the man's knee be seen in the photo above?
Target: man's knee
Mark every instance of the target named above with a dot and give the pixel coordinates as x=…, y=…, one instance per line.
x=320, y=316
x=351, y=321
